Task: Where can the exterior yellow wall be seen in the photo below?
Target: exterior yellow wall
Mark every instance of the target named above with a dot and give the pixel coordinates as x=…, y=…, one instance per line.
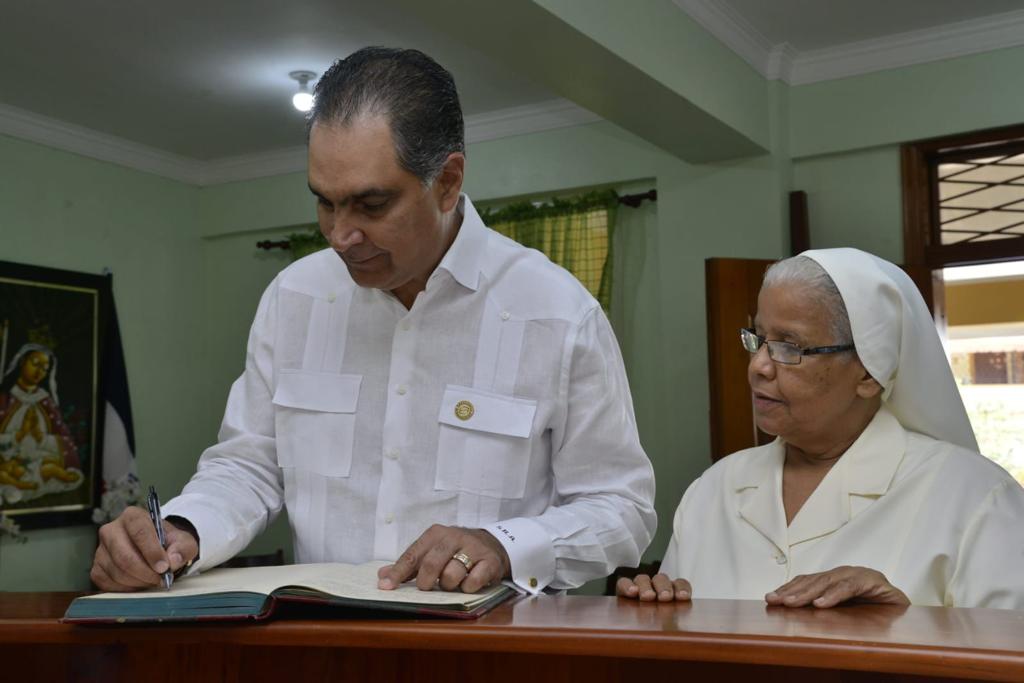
x=981, y=303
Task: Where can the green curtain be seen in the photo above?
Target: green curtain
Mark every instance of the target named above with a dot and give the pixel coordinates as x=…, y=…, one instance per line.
x=576, y=233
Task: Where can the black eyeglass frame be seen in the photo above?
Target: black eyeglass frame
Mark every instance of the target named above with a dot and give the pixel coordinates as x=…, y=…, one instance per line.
x=801, y=352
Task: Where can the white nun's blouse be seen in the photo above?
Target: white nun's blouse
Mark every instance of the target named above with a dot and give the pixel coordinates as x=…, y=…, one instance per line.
x=945, y=525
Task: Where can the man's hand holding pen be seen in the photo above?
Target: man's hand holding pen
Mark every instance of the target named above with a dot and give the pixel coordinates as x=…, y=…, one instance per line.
x=129, y=555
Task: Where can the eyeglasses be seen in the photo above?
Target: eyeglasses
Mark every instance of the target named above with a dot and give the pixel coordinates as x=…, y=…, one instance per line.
x=784, y=352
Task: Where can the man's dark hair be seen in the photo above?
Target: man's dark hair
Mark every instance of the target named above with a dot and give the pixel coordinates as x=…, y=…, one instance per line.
x=413, y=92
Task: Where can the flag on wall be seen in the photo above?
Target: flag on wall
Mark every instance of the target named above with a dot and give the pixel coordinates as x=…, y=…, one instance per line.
x=120, y=476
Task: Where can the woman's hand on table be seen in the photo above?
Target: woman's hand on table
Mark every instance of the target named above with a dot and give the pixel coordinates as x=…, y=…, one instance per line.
x=836, y=586
x=660, y=588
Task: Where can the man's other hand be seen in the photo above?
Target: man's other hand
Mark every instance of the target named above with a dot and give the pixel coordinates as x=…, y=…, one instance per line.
x=129, y=556
x=431, y=560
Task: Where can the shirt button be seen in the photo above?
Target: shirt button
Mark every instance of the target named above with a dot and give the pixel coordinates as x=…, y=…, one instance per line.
x=402, y=389
x=533, y=582
x=392, y=453
x=331, y=297
x=389, y=519
x=780, y=559
x=505, y=315
x=405, y=325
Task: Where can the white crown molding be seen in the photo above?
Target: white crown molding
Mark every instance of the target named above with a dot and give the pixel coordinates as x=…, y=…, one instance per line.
x=913, y=47
x=26, y=125
x=853, y=59
x=493, y=125
x=781, y=61
x=531, y=118
x=251, y=166
x=19, y=123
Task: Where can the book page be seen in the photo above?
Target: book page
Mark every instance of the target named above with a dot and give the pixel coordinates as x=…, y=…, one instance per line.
x=358, y=582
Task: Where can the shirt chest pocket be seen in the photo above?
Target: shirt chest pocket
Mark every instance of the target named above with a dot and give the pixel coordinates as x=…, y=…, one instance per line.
x=484, y=442
x=314, y=418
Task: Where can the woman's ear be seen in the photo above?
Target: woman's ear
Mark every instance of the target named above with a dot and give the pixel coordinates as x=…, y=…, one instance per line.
x=868, y=386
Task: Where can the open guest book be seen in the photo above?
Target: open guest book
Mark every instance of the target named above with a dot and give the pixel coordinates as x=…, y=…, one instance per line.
x=254, y=593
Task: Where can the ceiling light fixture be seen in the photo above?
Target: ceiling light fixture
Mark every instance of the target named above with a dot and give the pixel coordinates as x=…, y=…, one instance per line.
x=303, y=99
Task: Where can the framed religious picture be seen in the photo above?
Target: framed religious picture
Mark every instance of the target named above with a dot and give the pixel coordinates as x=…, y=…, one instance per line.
x=52, y=324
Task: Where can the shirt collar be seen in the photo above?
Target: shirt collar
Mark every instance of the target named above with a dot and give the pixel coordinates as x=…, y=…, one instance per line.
x=871, y=462
x=761, y=467
x=757, y=480
x=866, y=469
x=464, y=259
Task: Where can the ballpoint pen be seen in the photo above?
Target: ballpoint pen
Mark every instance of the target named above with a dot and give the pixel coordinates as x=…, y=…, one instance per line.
x=153, y=502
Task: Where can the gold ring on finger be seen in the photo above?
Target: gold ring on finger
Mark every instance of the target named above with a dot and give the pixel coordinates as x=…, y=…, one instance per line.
x=463, y=559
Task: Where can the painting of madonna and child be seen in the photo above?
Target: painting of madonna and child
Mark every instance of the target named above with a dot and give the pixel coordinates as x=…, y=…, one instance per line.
x=49, y=359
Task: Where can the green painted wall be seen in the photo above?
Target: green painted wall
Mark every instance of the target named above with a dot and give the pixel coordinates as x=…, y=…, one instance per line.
x=66, y=211
x=255, y=205
x=854, y=200
x=912, y=103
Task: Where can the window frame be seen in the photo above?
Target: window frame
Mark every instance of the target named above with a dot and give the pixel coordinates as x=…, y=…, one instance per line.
x=919, y=160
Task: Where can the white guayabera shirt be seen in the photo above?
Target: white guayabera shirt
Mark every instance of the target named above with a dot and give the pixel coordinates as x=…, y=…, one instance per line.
x=499, y=401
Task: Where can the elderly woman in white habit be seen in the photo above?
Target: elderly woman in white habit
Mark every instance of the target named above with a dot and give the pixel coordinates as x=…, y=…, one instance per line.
x=874, y=490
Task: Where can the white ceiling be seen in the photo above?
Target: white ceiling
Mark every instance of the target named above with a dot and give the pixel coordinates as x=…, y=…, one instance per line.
x=199, y=90
x=208, y=79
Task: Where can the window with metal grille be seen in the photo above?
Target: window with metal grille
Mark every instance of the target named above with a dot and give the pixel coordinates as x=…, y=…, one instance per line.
x=981, y=198
x=963, y=198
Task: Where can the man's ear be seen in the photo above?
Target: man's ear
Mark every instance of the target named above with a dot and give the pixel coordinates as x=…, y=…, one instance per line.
x=448, y=183
x=868, y=386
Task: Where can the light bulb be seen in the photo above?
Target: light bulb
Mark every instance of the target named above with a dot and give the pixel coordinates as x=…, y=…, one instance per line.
x=303, y=101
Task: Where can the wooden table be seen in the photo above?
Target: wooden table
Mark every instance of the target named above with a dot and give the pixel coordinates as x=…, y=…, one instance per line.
x=569, y=638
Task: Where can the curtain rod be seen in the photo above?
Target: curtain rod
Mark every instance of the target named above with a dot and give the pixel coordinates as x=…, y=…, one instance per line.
x=273, y=244
x=634, y=200
x=630, y=200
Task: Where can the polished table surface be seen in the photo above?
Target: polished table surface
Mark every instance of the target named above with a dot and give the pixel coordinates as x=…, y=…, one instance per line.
x=982, y=644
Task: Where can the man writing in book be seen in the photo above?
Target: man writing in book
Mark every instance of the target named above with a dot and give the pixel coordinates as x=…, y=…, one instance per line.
x=425, y=392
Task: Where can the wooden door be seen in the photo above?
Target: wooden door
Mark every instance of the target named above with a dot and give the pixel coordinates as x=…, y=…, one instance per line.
x=732, y=285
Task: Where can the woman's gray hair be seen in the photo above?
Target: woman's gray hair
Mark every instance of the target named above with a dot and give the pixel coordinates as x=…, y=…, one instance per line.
x=800, y=270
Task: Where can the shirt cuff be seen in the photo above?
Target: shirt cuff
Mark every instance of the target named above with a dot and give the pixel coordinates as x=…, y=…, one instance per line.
x=530, y=552
x=214, y=542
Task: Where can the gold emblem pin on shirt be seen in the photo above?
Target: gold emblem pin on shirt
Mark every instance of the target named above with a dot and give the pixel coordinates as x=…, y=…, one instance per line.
x=464, y=410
